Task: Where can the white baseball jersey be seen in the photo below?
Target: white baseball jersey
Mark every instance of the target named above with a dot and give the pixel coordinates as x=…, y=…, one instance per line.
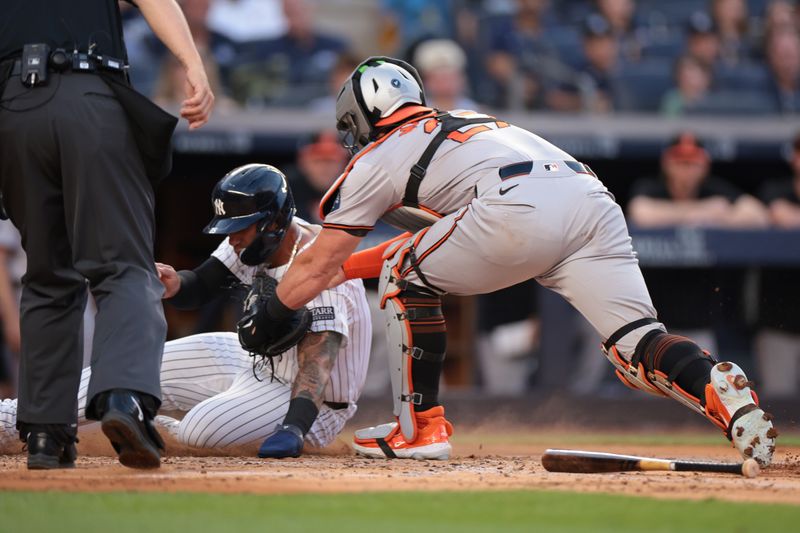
x=210, y=377
x=498, y=205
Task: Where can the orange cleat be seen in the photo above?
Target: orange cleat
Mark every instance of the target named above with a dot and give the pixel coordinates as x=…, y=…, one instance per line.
x=733, y=406
x=387, y=442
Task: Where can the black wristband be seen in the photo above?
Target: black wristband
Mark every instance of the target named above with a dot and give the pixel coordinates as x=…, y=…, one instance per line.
x=276, y=310
x=302, y=413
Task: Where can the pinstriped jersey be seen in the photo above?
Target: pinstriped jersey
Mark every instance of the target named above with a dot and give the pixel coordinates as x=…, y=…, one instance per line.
x=342, y=309
x=374, y=183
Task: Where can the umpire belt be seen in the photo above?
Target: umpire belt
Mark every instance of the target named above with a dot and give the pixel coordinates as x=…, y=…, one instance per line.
x=16, y=68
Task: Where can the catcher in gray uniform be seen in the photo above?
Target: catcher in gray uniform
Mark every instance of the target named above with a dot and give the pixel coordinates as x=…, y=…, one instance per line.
x=489, y=205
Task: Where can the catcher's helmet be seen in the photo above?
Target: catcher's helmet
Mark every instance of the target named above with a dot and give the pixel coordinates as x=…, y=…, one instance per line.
x=248, y=195
x=377, y=88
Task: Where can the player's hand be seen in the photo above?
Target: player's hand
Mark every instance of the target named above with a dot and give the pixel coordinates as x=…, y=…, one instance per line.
x=199, y=98
x=169, y=278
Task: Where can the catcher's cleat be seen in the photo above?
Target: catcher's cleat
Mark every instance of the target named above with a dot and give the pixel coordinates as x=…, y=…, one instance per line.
x=733, y=406
x=387, y=442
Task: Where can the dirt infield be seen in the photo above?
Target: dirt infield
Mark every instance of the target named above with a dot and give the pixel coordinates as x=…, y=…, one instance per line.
x=476, y=465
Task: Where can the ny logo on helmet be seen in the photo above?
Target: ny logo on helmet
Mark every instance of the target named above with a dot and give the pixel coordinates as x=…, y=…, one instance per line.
x=219, y=207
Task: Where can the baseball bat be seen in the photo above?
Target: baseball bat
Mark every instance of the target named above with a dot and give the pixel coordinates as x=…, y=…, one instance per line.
x=584, y=462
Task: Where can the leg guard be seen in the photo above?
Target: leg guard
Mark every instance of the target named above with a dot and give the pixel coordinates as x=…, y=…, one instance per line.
x=411, y=311
x=674, y=366
x=631, y=372
x=663, y=365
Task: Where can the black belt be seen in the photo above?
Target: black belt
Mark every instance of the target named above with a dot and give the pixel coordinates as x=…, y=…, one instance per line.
x=16, y=69
x=524, y=168
x=517, y=169
x=337, y=406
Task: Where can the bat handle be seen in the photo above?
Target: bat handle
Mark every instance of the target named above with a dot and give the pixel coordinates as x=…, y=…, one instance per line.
x=690, y=466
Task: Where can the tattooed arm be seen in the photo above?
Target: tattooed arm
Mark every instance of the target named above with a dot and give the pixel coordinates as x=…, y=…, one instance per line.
x=316, y=354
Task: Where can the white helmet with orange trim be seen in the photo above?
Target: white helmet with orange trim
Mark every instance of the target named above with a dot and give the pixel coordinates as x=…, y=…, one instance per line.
x=378, y=87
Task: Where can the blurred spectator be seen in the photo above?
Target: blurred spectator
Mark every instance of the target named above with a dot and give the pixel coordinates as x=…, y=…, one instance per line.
x=508, y=338
x=783, y=58
x=778, y=340
x=692, y=300
x=320, y=160
x=702, y=41
x=13, y=264
x=731, y=20
x=346, y=63
x=148, y=55
x=291, y=70
x=692, y=83
x=621, y=16
x=522, y=63
x=780, y=15
x=12, y=268
x=602, y=62
x=441, y=64
x=169, y=91
x=213, y=46
x=144, y=50
x=405, y=21
x=247, y=20
x=687, y=195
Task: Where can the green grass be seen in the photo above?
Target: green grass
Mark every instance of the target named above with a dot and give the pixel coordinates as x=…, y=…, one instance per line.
x=384, y=512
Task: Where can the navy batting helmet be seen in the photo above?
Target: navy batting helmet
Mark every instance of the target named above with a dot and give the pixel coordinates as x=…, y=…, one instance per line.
x=253, y=194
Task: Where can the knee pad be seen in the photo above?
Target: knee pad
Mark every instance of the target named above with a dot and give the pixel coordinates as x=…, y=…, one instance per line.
x=416, y=338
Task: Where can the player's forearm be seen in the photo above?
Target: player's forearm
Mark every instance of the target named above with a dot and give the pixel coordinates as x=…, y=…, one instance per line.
x=316, y=355
x=748, y=212
x=203, y=284
x=784, y=214
x=168, y=23
x=313, y=269
x=305, y=279
x=648, y=212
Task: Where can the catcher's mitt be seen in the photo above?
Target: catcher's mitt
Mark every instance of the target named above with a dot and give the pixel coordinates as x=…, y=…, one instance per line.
x=261, y=334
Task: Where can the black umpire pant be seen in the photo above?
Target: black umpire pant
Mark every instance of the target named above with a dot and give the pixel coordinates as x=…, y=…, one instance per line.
x=74, y=184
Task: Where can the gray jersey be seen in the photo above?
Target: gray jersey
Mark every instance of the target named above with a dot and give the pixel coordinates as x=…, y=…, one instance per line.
x=374, y=183
x=498, y=205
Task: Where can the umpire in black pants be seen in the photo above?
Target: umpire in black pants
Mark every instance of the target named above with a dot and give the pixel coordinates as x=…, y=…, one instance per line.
x=80, y=152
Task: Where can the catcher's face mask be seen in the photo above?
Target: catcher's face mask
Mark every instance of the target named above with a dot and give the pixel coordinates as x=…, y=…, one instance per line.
x=375, y=90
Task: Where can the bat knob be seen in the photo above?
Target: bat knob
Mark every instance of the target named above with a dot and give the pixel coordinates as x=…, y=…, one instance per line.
x=750, y=468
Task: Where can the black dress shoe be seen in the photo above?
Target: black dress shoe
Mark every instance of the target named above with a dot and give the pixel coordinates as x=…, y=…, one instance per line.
x=130, y=430
x=45, y=452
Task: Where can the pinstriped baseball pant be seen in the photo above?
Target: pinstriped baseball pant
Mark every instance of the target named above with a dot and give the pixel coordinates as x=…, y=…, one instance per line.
x=210, y=378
